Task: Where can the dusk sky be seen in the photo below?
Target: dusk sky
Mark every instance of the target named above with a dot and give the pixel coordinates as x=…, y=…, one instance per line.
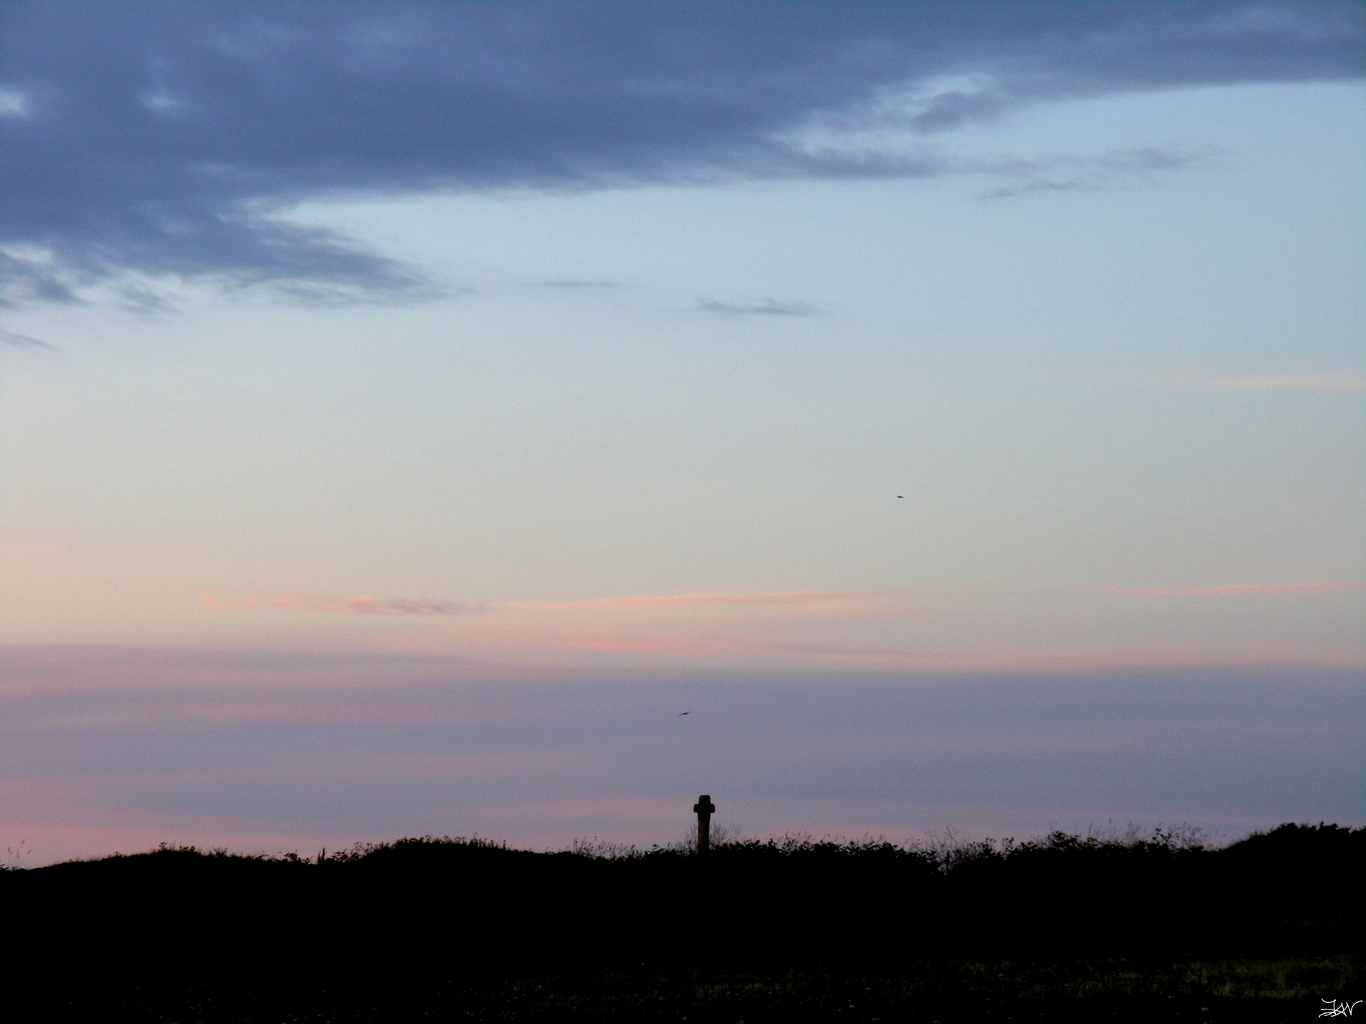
x=408, y=409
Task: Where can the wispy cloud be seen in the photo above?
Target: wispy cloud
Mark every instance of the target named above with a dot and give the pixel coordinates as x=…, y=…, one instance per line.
x=23, y=341
x=360, y=604
x=958, y=629
x=759, y=307
x=798, y=602
x=1040, y=185
x=1086, y=174
x=1150, y=158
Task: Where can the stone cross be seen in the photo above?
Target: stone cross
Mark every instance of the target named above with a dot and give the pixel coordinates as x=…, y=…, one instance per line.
x=704, y=809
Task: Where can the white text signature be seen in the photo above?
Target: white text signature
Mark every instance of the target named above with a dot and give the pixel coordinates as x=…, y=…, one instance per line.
x=1337, y=1009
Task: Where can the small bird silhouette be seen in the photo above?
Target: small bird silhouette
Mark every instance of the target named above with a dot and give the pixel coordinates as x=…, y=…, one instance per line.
x=682, y=713
x=901, y=495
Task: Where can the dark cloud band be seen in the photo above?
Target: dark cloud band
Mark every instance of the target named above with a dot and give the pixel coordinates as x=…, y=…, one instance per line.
x=159, y=137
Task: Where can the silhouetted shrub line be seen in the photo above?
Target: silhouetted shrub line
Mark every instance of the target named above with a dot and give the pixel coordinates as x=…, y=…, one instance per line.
x=471, y=906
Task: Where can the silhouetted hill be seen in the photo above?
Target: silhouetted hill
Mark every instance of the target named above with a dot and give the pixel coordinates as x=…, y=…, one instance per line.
x=1295, y=889
x=1062, y=927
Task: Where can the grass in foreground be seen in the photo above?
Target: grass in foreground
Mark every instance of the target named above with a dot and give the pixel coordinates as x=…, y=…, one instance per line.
x=946, y=991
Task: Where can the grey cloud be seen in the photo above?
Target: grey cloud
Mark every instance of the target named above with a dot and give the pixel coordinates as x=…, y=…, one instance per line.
x=1038, y=185
x=762, y=307
x=1150, y=158
x=22, y=341
x=160, y=138
x=1088, y=175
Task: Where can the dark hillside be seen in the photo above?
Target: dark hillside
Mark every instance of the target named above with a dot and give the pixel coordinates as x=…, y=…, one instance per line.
x=1296, y=888
x=424, y=909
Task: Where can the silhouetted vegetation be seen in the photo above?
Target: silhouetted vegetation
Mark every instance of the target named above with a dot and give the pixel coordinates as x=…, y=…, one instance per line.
x=443, y=926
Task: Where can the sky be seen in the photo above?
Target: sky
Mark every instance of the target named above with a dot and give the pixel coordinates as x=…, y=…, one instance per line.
x=407, y=410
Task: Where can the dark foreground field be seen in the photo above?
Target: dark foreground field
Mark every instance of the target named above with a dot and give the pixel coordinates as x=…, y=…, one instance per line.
x=1244, y=989
x=430, y=930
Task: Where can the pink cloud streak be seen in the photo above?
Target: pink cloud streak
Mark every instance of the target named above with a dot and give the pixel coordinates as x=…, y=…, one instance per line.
x=739, y=598
x=908, y=628
x=360, y=604
x=845, y=601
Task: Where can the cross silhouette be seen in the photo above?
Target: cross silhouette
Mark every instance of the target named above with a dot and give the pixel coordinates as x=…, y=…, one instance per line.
x=704, y=809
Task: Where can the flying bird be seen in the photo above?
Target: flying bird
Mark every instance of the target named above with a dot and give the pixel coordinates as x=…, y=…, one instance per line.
x=682, y=713
x=901, y=495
